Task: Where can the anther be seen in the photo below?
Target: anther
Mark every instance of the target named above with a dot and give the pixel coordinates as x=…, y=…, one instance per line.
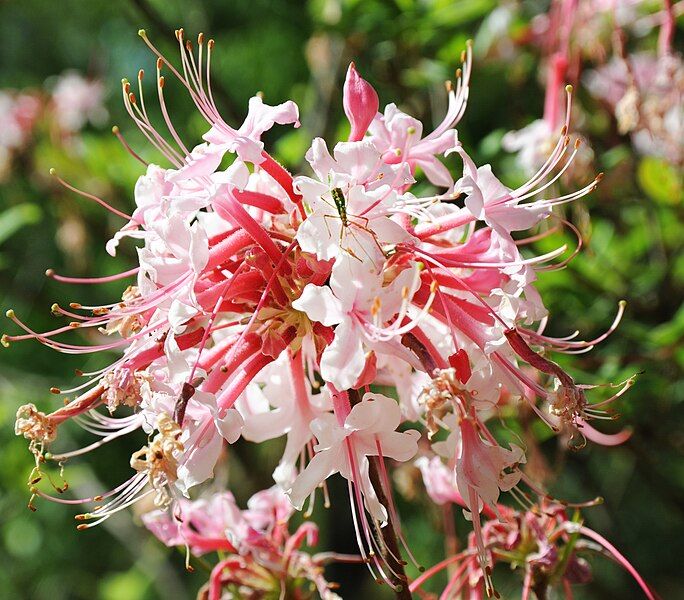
x=75, y=305
x=160, y=64
x=54, y=309
x=458, y=73
x=4, y=340
x=142, y=33
x=568, y=89
x=9, y=313
x=578, y=143
x=161, y=82
x=200, y=39
x=55, y=390
x=210, y=44
x=449, y=86
x=81, y=527
x=131, y=97
x=115, y=130
x=411, y=130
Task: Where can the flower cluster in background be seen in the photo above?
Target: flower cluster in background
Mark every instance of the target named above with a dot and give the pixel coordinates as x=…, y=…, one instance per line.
x=71, y=103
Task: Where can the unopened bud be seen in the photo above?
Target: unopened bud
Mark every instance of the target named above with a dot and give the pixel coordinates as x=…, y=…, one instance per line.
x=360, y=103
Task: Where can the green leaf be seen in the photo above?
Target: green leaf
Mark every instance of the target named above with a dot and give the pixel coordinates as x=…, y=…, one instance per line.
x=16, y=217
x=660, y=180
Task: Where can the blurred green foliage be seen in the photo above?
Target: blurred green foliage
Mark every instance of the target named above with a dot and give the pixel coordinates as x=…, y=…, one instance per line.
x=294, y=49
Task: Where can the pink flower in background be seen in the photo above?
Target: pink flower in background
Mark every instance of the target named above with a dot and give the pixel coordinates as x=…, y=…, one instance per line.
x=78, y=101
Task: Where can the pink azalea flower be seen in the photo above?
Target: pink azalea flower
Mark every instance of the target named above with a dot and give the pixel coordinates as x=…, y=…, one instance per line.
x=370, y=429
x=358, y=305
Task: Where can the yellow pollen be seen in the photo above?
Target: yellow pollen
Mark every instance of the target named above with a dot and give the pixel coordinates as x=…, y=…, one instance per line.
x=54, y=309
x=115, y=130
x=142, y=33
x=568, y=89
x=4, y=340
x=411, y=130
x=9, y=313
x=375, y=307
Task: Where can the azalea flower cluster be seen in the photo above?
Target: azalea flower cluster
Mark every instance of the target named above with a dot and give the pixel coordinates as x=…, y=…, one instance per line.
x=266, y=305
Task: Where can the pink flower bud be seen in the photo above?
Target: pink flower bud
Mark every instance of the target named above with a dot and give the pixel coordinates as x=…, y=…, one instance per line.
x=360, y=103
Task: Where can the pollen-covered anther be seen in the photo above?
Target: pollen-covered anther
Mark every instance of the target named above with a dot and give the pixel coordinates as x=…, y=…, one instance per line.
x=438, y=395
x=159, y=459
x=568, y=403
x=34, y=425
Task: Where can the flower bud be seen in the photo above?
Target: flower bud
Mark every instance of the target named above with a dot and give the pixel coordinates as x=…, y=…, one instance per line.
x=360, y=103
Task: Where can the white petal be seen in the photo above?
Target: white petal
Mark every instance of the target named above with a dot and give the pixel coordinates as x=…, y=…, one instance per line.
x=320, y=305
x=343, y=361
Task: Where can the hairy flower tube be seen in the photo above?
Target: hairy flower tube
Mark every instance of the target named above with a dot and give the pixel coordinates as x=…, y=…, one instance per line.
x=266, y=305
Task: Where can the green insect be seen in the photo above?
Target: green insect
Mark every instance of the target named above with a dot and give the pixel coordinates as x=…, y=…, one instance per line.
x=341, y=205
x=348, y=220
